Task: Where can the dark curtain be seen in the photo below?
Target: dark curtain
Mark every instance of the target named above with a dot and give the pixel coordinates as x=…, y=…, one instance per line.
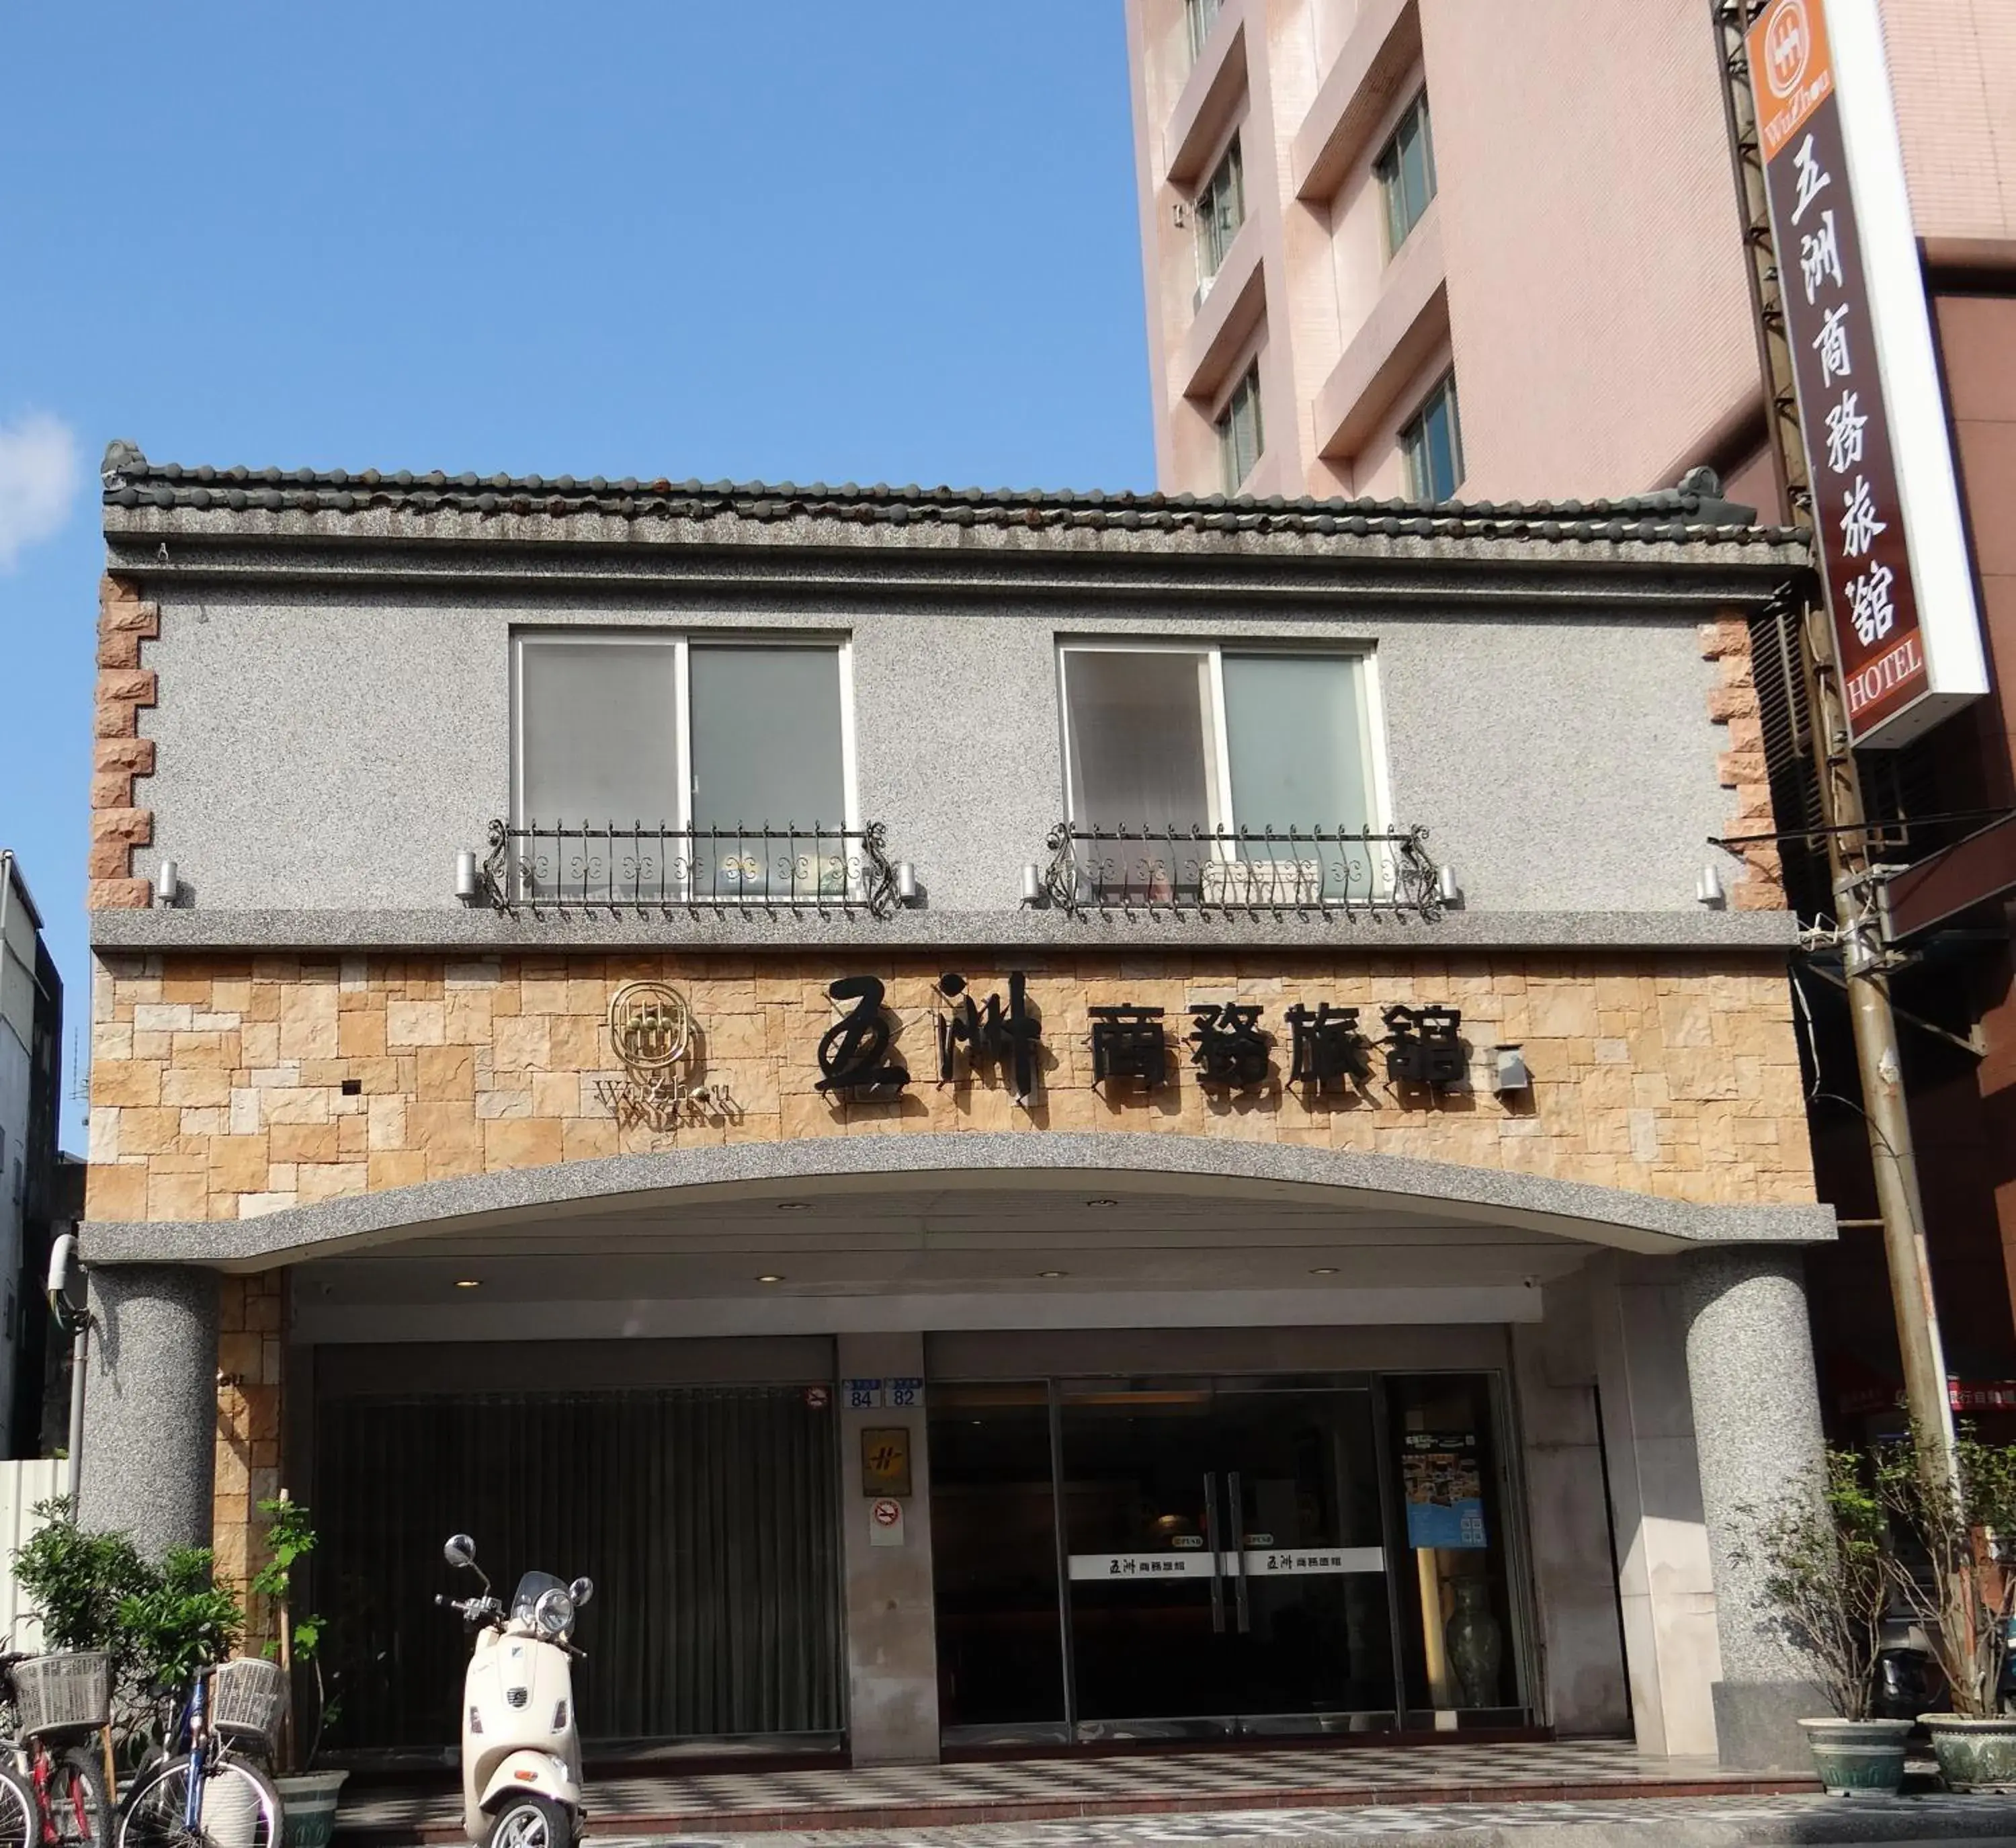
x=705, y=1515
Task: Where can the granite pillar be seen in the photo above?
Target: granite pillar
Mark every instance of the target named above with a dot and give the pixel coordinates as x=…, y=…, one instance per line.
x=150, y=1404
x=1757, y=1430
x=892, y=1669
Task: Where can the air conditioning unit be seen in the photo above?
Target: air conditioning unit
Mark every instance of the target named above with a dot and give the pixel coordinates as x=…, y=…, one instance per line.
x=1203, y=292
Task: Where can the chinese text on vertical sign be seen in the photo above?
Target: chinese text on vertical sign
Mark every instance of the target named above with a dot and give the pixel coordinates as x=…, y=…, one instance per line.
x=1857, y=514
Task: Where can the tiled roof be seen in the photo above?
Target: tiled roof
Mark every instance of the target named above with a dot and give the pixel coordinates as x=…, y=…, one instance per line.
x=131, y=480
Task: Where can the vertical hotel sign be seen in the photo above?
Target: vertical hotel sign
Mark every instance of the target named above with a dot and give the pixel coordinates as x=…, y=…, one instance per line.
x=1886, y=506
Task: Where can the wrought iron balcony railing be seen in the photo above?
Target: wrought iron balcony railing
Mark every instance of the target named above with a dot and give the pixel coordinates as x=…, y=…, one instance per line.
x=643, y=866
x=1253, y=870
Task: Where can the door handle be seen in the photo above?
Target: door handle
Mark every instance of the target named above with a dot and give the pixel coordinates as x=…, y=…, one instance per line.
x=1217, y=1553
x=1238, y=1508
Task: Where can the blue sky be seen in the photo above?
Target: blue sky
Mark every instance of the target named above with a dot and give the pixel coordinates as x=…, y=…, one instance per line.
x=796, y=241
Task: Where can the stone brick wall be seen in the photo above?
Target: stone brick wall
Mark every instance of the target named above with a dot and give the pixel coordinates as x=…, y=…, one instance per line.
x=119, y=754
x=225, y=1086
x=1732, y=704
x=250, y=1363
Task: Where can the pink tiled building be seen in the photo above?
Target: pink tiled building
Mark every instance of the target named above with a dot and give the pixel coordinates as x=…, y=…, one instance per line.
x=1489, y=251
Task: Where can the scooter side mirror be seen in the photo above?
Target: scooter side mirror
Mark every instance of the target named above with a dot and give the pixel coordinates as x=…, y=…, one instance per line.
x=460, y=1551
x=580, y=1591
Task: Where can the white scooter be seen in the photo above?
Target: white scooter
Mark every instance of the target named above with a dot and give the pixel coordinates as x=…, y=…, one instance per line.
x=520, y=1749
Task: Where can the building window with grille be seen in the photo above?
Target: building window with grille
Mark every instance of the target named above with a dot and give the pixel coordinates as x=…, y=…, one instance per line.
x=723, y=741
x=1247, y=754
x=1240, y=439
x=1406, y=171
x=1221, y=210
x=1432, y=442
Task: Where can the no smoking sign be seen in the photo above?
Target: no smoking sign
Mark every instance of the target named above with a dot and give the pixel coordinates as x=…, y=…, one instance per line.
x=885, y=1522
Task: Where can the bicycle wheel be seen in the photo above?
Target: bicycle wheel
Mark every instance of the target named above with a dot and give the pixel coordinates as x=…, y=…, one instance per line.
x=239, y=1808
x=76, y=1797
x=18, y=1826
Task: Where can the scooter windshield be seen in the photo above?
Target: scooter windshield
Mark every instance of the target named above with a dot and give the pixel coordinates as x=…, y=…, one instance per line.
x=531, y=1588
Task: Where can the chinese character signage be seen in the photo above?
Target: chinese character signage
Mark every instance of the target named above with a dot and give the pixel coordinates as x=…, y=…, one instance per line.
x=853, y=1053
x=1886, y=508
x=973, y=1036
x=1134, y=1047
x=1445, y=1489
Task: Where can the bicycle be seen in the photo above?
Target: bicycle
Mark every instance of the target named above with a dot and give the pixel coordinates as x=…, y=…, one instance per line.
x=19, y=1823
x=211, y=1794
x=59, y=1703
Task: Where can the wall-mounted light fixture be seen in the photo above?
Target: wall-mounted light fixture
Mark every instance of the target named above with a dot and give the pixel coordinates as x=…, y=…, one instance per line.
x=1447, y=887
x=465, y=886
x=167, y=882
x=1032, y=883
x=1508, y=1072
x=1707, y=888
x=906, y=883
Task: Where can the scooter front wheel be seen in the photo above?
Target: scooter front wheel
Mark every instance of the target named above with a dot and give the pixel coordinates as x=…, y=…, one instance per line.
x=524, y=1821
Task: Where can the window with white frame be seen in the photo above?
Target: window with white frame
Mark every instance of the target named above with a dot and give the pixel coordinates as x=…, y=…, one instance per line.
x=1241, y=440
x=682, y=766
x=1406, y=171
x=1232, y=744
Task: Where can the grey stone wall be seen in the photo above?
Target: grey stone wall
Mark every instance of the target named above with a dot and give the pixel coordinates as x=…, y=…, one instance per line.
x=333, y=747
x=1757, y=1425
x=150, y=1404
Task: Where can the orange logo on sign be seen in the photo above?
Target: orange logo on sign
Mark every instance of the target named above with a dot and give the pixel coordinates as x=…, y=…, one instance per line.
x=1788, y=47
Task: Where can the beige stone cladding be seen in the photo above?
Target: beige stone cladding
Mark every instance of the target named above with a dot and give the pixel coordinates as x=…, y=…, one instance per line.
x=119, y=755
x=1733, y=703
x=250, y=1366
x=226, y=1087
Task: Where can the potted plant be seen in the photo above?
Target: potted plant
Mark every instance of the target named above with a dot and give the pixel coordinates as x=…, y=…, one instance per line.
x=1822, y=1548
x=308, y=1796
x=1961, y=1592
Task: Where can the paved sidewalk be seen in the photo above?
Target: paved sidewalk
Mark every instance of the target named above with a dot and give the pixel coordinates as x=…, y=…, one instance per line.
x=1077, y=1790
x=1664, y=1822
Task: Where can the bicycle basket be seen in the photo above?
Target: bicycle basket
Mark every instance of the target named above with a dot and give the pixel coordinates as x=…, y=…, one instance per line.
x=58, y=1693
x=248, y=1695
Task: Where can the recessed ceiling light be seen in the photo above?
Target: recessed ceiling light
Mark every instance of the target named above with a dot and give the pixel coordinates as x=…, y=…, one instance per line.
x=469, y=1283
x=794, y=1206
x=1053, y=1273
x=769, y=1276
x=1324, y=1270
x=1102, y=1202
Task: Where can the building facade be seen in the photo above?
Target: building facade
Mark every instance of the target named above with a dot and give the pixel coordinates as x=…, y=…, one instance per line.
x=1445, y=249
x=31, y=1108
x=1060, y=1118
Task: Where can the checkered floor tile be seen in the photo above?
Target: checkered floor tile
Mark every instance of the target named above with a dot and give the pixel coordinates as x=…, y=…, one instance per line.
x=941, y=1796
x=1805, y=1818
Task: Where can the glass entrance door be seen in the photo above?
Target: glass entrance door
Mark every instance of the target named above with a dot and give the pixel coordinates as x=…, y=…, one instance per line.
x=1159, y=1557
x=1312, y=1638
x=1225, y=1557
x=1145, y=1555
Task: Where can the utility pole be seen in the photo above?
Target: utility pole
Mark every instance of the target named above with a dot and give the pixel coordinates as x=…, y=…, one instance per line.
x=1854, y=880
